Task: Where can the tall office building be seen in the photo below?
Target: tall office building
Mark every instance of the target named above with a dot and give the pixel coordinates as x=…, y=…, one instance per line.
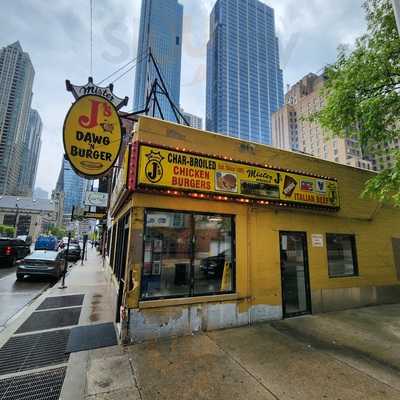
x=292, y=130
x=161, y=30
x=16, y=80
x=193, y=120
x=40, y=193
x=31, y=153
x=72, y=188
x=244, y=80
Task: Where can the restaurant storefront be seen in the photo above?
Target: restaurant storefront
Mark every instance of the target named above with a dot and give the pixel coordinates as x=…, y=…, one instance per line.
x=209, y=232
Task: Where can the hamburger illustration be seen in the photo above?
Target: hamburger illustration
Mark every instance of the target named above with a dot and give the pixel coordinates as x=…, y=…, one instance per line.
x=226, y=182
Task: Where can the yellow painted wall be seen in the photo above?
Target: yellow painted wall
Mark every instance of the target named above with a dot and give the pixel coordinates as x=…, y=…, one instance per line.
x=257, y=228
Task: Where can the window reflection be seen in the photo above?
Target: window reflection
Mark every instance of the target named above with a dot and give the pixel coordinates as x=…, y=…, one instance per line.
x=187, y=254
x=341, y=255
x=213, y=254
x=167, y=255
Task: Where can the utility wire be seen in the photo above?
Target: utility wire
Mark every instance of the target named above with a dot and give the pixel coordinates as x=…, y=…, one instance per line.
x=91, y=37
x=124, y=66
x=128, y=70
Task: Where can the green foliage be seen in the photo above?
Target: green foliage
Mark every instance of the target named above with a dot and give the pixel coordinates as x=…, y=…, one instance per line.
x=59, y=233
x=8, y=231
x=362, y=94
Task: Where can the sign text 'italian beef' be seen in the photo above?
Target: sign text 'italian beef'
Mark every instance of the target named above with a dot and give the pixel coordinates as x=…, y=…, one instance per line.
x=182, y=171
x=92, y=136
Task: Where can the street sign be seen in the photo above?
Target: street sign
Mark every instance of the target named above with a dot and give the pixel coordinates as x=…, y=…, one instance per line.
x=84, y=227
x=94, y=215
x=96, y=199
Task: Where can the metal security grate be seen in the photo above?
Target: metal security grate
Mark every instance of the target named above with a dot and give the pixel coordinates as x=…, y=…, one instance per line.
x=39, y=386
x=21, y=353
x=91, y=337
x=43, y=320
x=62, y=301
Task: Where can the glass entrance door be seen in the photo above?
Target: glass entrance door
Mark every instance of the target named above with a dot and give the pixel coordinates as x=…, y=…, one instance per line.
x=294, y=272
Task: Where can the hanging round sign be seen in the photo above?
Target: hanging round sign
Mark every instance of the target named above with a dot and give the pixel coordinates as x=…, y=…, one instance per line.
x=92, y=136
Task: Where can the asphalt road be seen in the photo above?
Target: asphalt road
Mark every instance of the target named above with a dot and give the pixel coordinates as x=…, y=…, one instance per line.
x=14, y=296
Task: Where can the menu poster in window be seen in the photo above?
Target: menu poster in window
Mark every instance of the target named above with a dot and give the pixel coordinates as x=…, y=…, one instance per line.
x=182, y=171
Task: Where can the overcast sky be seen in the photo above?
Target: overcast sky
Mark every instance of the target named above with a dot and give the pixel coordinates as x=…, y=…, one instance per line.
x=56, y=34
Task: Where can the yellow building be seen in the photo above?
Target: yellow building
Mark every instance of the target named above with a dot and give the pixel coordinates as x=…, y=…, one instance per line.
x=209, y=232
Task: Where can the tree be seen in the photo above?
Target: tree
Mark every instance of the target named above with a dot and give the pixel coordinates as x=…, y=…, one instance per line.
x=7, y=231
x=362, y=98
x=57, y=232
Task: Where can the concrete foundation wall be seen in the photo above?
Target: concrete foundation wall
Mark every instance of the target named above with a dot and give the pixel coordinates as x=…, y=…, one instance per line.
x=326, y=300
x=150, y=324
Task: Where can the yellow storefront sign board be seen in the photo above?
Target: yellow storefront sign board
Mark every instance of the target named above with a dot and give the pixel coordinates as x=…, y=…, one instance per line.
x=181, y=171
x=92, y=136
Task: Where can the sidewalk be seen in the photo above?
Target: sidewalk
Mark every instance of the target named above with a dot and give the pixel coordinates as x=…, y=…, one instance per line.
x=103, y=373
x=32, y=348
x=331, y=356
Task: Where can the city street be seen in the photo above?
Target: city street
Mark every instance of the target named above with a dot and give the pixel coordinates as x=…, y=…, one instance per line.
x=14, y=296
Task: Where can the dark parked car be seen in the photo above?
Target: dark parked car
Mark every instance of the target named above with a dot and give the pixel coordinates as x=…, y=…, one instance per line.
x=214, y=266
x=41, y=263
x=26, y=238
x=12, y=250
x=74, y=252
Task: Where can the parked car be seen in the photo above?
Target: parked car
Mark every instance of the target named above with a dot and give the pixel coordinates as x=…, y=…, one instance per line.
x=44, y=263
x=74, y=252
x=214, y=266
x=26, y=238
x=46, y=243
x=12, y=250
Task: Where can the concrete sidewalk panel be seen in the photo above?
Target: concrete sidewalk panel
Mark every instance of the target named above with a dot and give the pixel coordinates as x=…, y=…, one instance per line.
x=300, y=373
x=109, y=374
x=124, y=394
x=191, y=368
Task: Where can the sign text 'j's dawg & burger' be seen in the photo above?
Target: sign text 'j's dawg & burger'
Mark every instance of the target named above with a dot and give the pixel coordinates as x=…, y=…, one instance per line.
x=92, y=135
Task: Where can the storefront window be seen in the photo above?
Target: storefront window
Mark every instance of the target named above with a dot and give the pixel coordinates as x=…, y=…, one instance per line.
x=187, y=255
x=342, y=260
x=213, y=254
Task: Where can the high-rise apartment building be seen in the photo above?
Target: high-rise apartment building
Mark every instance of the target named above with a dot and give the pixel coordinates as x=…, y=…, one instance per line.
x=293, y=131
x=161, y=30
x=383, y=156
x=31, y=153
x=72, y=187
x=244, y=79
x=193, y=120
x=16, y=80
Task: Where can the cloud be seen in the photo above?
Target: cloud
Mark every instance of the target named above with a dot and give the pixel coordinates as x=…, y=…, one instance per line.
x=56, y=34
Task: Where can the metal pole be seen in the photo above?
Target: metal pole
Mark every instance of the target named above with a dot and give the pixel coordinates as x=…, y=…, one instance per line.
x=65, y=263
x=16, y=219
x=84, y=248
x=396, y=8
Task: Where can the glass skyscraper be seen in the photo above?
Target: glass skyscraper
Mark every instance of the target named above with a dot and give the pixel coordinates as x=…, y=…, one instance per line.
x=73, y=186
x=244, y=79
x=16, y=80
x=31, y=153
x=161, y=30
